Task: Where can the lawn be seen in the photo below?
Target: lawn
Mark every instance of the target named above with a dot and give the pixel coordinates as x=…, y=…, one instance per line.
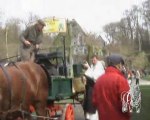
x=147, y=77
x=145, y=109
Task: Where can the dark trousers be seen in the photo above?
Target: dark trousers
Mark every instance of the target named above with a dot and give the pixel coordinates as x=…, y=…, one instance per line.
x=87, y=104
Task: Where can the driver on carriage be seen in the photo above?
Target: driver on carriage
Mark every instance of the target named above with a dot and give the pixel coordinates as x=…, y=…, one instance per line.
x=30, y=40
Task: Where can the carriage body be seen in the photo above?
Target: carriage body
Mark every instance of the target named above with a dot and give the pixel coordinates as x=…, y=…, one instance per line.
x=61, y=88
x=61, y=84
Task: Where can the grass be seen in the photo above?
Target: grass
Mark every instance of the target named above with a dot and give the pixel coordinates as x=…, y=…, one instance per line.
x=147, y=77
x=145, y=105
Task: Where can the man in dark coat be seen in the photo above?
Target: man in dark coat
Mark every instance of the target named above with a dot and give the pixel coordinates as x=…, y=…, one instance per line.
x=111, y=91
x=30, y=40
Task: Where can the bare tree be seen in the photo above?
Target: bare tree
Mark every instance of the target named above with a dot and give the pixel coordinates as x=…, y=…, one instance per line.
x=31, y=19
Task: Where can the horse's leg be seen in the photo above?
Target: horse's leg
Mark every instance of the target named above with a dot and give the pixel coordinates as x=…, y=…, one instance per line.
x=41, y=94
x=40, y=109
x=40, y=104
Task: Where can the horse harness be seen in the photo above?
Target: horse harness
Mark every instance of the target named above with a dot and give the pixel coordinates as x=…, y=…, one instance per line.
x=9, y=79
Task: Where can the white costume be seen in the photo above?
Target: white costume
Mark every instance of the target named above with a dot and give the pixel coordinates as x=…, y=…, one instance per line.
x=94, y=72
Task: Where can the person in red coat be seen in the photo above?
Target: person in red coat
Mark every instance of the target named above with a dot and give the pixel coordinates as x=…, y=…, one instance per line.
x=109, y=89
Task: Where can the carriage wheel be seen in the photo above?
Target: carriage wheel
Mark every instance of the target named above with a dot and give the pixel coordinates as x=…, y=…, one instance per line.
x=68, y=113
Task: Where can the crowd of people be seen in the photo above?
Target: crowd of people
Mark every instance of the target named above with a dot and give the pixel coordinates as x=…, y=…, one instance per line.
x=107, y=88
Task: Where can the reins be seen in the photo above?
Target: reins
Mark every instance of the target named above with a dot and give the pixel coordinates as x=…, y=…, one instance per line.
x=24, y=83
x=9, y=79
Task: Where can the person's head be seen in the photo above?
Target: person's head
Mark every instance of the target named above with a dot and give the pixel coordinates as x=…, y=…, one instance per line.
x=133, y=72
x=116, y=61
x=94, y=59
x=40, y=25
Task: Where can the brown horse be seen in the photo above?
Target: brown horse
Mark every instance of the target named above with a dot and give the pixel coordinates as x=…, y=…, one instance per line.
x=22, y=85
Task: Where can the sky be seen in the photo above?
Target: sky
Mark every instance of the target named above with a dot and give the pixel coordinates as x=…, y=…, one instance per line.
x=91, y=15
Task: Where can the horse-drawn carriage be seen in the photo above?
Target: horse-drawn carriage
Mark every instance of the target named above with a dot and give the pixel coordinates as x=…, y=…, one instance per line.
x=36, y=89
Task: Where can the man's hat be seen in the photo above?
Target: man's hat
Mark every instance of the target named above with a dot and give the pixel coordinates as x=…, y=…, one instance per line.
x=41, y=22
x=114, y=59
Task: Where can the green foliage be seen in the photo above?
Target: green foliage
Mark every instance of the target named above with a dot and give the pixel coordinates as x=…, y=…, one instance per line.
x=140, y=60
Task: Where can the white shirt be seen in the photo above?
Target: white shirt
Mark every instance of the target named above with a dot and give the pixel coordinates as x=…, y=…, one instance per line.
x=95, y=71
